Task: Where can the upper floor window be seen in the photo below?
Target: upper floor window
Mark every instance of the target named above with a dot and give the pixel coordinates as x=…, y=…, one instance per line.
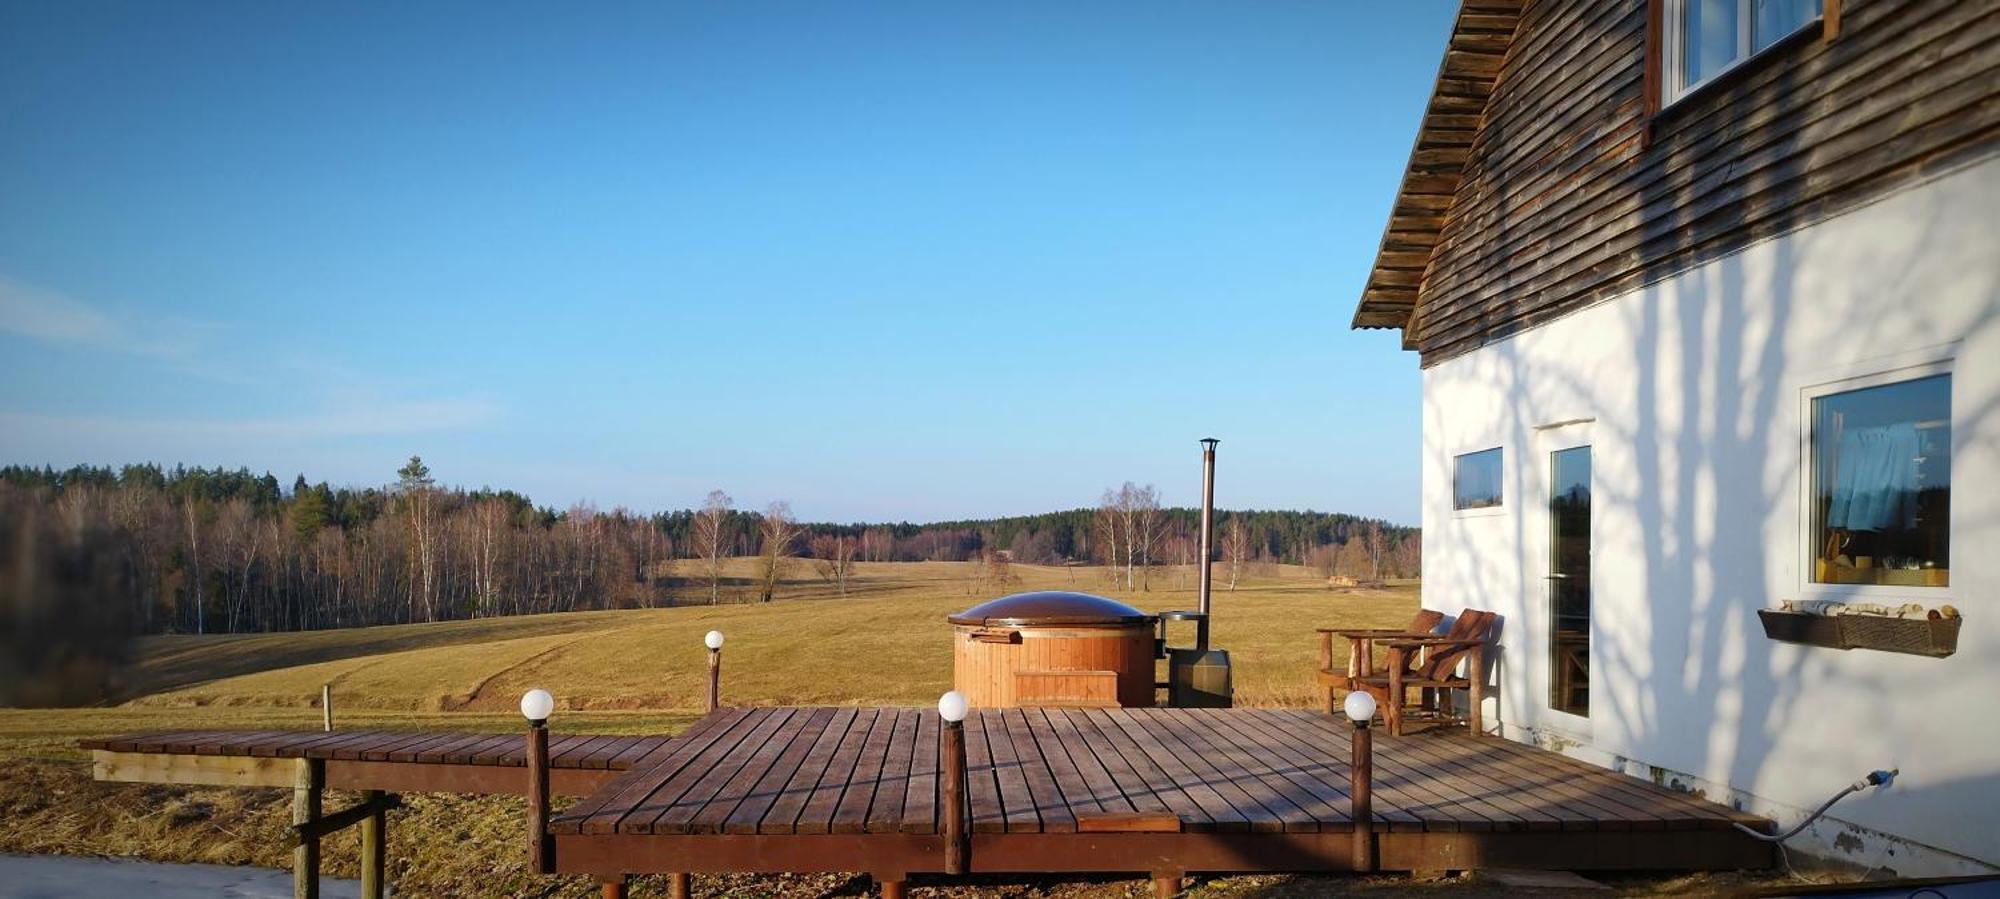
x=1475, y=480
x=1705, y=38
x=1881, y=484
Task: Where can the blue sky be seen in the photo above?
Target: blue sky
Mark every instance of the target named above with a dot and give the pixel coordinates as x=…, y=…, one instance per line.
x=883, y=260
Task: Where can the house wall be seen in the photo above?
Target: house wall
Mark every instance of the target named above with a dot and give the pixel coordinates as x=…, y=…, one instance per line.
x=1694, y=384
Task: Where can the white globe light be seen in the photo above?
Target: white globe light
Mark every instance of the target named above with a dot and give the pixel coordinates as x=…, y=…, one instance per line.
x=1360, y=706
x=952, y=706
x=537, y=704
x=713, y=640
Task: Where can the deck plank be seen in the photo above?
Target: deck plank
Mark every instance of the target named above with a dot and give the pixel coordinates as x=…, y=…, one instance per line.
x=850, y=814
x=600, y=813
x=769, y=785
x=920, y=802
x=1050, y=806
x=679, y=815
x=817, y=816
x=885, y=814
x=783, y=815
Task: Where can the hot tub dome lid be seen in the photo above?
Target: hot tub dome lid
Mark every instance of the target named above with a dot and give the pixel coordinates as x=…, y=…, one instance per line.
x=1051, y=607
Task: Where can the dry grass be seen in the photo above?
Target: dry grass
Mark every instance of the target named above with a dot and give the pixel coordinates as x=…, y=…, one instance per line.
x=616, y=672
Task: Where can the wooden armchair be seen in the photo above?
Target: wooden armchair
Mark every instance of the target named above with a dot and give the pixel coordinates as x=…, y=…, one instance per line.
x=1361, y=658
x=1431, y=663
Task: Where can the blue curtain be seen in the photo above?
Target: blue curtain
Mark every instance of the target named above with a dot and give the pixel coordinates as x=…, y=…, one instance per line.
x=1875, y=479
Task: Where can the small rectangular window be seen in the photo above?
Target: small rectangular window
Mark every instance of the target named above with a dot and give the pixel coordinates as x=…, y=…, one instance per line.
x=1475, y=480
x=1881, y=484
x=1705, y=38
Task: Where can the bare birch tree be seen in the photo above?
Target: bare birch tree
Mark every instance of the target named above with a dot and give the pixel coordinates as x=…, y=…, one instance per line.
x=710, y=538
x=1236, y=545
x=415, y=486
x=778, y=532
x=834, y=558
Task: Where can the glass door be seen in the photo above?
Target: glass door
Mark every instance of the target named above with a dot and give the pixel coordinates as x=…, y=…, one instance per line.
x=1569, y=580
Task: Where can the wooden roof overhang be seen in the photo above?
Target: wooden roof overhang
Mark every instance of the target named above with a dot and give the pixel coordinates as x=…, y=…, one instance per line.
x=1479, y=41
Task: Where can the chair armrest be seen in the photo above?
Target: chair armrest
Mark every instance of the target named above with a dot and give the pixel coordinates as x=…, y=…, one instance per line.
x=1422, y=642
x=1380, y=632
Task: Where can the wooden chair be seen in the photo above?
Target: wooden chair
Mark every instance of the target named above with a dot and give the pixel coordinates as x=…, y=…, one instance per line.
x=1432, y=663
x=1360, y=653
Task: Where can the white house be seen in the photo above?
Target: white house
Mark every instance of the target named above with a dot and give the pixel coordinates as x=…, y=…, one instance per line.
x=1707, y=299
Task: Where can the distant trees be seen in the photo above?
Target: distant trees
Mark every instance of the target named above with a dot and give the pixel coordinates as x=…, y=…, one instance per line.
x=710, y=540
x=231, y=551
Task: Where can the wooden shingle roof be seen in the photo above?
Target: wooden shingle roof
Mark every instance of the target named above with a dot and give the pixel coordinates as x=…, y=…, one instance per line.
x=1479, y=42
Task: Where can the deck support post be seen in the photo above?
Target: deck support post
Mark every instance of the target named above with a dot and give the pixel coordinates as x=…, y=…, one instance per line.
x=714, y=679
x=1362, y=773
x=1167, y=885
x=326, y=706
x=680, y=885
x=309, y=782
x=541, y=846
x=893, y=887
x=614, y=887
x=957, y=836
x=374, y=845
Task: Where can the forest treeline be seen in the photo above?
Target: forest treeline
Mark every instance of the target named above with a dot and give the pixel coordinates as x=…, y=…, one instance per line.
x=190, y=550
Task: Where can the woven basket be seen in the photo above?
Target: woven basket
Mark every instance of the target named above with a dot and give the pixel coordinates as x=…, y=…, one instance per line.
x=1799, y=627
x=1936, y=637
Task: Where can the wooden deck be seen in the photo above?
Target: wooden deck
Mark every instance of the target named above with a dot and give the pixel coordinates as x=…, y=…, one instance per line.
x=847, y=789
x=397, y=761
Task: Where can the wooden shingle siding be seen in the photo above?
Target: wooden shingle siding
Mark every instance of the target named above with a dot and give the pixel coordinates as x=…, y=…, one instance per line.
x=1572, y=193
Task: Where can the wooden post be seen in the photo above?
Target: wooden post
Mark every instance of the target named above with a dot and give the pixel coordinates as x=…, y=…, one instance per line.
x=1361, y=768
x=614, y=887
x=1475, y=673
x=541, y=851
x=1166, y=886
x=1326, y=664
x=308, y=781
x=892, y=887
x=679, y=886
x=374, y=846
x=1392, y=712
x=326, y=705
x=714, y=679
x=957, y=840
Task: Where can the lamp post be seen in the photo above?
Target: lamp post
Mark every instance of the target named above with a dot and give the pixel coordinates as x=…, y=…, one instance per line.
x=536, y=706
x=1207, y=526
x=952, y=707
x=713, y=640
x=1360, y=709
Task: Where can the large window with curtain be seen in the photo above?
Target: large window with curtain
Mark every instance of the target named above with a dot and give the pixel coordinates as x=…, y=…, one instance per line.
x=1881, y=484
x=1705, y=38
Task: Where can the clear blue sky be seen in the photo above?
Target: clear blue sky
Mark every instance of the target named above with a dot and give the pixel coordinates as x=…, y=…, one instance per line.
x=884, y=260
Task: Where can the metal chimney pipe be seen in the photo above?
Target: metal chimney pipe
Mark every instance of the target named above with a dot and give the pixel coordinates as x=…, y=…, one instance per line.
x=1207, y=526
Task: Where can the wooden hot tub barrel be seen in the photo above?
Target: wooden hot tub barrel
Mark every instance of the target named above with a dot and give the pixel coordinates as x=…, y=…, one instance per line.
x=1053, y=648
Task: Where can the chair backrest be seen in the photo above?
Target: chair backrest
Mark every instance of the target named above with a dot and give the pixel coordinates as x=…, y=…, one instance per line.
x=1425, y=622
x=1472, y=624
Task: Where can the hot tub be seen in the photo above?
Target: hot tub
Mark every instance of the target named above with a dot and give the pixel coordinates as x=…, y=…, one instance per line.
x=1053, y=648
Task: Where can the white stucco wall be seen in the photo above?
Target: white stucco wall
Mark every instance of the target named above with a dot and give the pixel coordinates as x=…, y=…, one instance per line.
x=1695, y=387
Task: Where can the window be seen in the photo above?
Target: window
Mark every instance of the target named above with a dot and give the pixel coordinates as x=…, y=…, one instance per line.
x=1881, y=484
x=1705, y=38
x=1475, y=480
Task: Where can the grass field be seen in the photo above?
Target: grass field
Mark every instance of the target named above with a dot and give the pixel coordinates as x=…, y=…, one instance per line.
x=632, y=671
